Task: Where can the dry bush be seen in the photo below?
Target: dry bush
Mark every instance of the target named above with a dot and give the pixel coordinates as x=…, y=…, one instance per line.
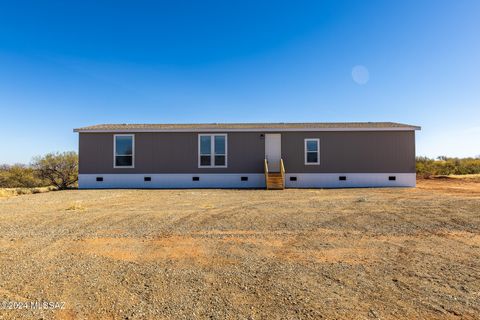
x=76, y=206
x=444, y=166
x=20, y=191
x=19, y=176
x=10, y=192
x=5, y=193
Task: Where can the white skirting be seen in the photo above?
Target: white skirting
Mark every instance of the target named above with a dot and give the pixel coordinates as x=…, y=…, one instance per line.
x=353, y=180
x=255, y=180
x=171, y=181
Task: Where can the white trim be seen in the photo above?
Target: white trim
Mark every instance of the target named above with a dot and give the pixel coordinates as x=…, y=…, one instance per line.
x=212, y=150
x=259, y=129
x=115, y=151
x=306, y=151
x=171, y=181
x=232, y=180
x=354, y=180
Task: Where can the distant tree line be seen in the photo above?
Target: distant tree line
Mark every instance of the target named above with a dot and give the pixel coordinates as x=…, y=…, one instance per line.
x=59, y=170
x=444, y=166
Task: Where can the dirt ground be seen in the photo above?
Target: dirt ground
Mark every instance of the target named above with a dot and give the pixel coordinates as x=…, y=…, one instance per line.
x=410, y=253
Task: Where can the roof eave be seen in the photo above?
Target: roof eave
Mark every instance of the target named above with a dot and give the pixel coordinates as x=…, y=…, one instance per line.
x=259, y=129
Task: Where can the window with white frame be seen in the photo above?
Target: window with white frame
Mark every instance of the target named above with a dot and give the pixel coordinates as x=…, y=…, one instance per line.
x=312, y=151
x=212, y=150
x=123, y=150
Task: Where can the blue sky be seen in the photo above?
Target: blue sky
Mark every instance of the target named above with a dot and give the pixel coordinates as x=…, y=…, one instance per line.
x=66, y=64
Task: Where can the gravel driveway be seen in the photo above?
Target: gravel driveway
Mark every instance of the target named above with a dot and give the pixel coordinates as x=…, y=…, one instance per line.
x=243, y=254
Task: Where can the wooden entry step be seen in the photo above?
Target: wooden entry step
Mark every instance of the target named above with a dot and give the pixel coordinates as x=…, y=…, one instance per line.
x=275, y=180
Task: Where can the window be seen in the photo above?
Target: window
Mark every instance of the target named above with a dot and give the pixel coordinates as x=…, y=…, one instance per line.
x=212, y=150
x=123, y=149
x=312, y=151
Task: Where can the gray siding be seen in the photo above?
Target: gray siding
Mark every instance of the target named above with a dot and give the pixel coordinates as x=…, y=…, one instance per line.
x=170, y=153
x=177, y=152
x=352, y=152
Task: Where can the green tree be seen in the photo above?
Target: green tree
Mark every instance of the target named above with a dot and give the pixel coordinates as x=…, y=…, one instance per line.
x=59, y=169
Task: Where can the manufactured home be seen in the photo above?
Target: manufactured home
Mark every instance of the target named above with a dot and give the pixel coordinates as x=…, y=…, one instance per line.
x=247, y=155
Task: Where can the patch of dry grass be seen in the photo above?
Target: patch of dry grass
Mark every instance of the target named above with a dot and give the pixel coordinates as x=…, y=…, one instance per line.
x=12, y=192
x=76, y=206
x=463, y=176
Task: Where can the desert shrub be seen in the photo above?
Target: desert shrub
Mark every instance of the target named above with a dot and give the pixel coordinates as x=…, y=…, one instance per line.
x=76, y=206
x=20, y=191
x=19, y=176
x=427, y=167
x=59, y=169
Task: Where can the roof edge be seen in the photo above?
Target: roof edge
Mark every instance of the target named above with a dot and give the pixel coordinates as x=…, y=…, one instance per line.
x=259, y=129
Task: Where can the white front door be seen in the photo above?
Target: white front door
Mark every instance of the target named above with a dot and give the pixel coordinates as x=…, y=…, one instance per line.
x=273, y=151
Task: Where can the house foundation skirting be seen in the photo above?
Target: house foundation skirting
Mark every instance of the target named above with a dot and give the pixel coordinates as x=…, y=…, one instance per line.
x=243, y=180
x=349, y=180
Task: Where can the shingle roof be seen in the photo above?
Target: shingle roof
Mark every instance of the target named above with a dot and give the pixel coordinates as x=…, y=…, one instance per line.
x=327, y=126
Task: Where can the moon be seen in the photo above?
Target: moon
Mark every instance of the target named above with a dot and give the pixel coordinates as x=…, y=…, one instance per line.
x=360, y=74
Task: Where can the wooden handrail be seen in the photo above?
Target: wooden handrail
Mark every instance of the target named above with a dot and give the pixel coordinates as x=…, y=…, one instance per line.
x=282, y=171
x=265, y=168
